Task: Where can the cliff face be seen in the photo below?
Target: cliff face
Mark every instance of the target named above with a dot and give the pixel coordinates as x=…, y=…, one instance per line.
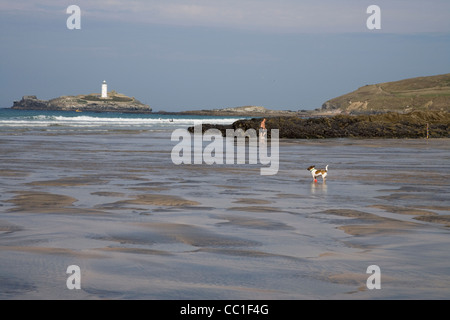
x=423, y=93
x=114, y=103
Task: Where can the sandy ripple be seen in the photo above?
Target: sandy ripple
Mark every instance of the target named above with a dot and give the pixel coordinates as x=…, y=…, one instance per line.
x=156, y=200
x=254, y=223
x=12, y=173
x=8, y=227
x=374, y=225
x=404, y=210
x=248, y=253
x=255, y=209
x=421, y=215
x=40, y=201
x=69, y=182
x=443, y=219
x=252, y=201
x=44, y=202
x=135, y=251
x=53, y=251
x=358, y=280
x=194, y=236
x=108, y=194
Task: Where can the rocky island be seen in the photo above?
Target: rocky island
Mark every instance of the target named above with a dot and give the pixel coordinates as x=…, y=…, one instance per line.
x=112, y=102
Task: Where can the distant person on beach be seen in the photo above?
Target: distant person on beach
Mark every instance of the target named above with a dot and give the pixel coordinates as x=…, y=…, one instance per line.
x=263, y=124
x=262, y=129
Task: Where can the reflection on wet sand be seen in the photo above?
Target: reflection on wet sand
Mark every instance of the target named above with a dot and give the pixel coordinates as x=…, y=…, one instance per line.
x=141, y=227
x=318, y=188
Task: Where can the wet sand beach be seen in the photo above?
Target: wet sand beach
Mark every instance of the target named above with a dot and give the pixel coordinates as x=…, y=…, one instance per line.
x=141, y=227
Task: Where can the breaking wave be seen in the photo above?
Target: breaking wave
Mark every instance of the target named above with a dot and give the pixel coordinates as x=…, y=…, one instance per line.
x=107, y=120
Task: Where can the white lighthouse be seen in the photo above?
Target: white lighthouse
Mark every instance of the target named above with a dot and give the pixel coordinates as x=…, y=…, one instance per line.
x=104, y=89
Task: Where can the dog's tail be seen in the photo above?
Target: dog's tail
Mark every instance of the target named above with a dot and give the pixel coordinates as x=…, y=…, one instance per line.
x=326, y=168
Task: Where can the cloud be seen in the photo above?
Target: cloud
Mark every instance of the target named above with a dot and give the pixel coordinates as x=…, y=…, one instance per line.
x=264, y=15
x=308, y=16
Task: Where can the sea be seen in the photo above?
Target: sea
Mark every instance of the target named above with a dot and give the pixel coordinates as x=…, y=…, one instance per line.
x=92, y=206
x=60, y=121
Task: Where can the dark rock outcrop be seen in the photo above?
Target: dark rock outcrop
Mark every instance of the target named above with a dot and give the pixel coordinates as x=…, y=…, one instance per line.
x=30, y=103
x=388, y=125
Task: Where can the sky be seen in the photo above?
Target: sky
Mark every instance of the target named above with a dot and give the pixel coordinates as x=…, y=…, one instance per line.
x=209, y=54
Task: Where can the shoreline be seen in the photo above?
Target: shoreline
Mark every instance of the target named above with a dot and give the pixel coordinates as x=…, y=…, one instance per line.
x=413, y=125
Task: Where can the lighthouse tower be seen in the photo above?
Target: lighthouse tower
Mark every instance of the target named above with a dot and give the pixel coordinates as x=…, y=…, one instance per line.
x=104, y=89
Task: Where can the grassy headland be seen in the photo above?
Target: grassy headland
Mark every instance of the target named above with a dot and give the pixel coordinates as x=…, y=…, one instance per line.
x=415, y=94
